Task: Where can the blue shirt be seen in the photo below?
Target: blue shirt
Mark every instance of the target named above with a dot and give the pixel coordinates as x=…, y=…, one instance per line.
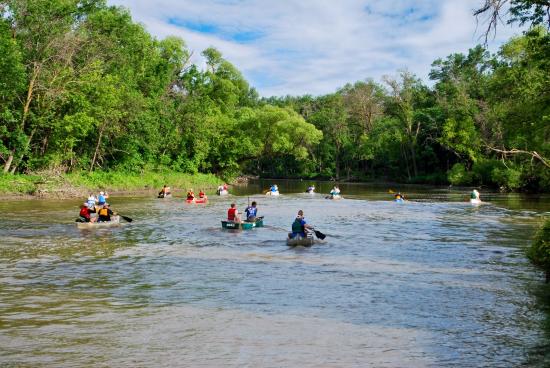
x=251, y=211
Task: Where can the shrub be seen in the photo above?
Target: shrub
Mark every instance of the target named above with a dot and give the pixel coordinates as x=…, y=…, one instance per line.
x=539, y=251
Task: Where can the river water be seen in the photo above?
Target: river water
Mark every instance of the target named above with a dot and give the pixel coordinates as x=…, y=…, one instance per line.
x=433, y=282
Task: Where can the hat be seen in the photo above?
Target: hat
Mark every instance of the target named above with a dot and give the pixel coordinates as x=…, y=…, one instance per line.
x=102, y=193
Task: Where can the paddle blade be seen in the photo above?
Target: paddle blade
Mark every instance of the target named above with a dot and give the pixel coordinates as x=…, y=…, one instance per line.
x=127, y=218
x=319, y=234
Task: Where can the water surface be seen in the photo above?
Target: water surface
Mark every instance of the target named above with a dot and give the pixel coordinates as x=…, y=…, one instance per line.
x=429, y=283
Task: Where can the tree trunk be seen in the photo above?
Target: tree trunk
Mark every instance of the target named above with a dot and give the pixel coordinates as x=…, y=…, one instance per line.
x=413, y=158
x=404, y=152
x=97, y=147
x=26, y=108
x=8, y=162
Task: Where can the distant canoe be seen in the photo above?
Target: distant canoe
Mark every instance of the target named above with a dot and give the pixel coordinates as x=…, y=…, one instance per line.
x=475, y=201
x=335, y=197
x=222, y=192
x=400, y=200
x=298, y=240
x=165, y=196
x=197, y=200
x=272, y=193
x=115, y=221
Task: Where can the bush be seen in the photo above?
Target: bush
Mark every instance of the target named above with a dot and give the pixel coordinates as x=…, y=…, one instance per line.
x=539, y=251
x=458, y=175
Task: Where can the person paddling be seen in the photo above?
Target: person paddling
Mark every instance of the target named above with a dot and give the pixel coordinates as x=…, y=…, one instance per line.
x=85, y=213
x=105, y=213
x=102, y=198
x=190, y=195
x=233, y=214
x=310, y=189
x=202, y=194
x=165, y=191
x=399, y=197
x=251, y=212
x=299, y=226
x=475, y=195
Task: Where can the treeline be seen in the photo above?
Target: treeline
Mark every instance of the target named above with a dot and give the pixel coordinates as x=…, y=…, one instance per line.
x=83, y=87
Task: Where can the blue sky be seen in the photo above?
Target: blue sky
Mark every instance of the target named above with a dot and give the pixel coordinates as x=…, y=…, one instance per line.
x=316, y=46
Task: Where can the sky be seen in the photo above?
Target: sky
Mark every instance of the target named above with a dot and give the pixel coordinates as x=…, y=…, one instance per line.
x=297, y=47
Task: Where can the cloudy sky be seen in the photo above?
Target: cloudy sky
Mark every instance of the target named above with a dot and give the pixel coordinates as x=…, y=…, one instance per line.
x=316, y=46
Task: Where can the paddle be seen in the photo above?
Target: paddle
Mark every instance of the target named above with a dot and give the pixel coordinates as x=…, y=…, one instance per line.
x=126, y=218
x=318, y=234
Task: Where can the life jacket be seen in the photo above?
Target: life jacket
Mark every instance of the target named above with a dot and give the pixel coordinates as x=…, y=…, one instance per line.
x=85, y=212
x=297, y=226
x=190, y=195
x=231, y=214
x=251, y=211
x=104, y=212
x=201, y=194
x=473, y=195
x=398, y=196
x=101, y=199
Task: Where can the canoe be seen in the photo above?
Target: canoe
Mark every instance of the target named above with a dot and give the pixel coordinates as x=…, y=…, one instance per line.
x=310, y=192
x=243, y=226
x=298, y=240
x=335, y=197
x=197, y=200
x=223, y=192
x=237, y=226
x=401, y=200
x=272, y=193
x=475, y=201
x=164, y=196
x=115, y=221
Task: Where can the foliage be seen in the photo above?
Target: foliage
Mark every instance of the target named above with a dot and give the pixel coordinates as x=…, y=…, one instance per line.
x=539, y=251
x=84, y=88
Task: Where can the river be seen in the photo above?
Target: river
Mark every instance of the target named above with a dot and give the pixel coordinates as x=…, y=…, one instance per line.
x=432, y=282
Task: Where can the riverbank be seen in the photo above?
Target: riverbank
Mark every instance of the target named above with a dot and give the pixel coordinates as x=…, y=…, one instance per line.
x=78, y=184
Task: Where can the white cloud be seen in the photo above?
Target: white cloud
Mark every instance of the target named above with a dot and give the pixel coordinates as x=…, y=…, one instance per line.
x=315, y=46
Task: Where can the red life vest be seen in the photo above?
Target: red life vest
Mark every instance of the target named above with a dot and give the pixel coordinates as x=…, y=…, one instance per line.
x=85, y=212
x=231, y=214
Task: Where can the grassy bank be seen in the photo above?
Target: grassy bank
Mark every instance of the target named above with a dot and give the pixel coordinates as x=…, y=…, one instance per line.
x=48, y=184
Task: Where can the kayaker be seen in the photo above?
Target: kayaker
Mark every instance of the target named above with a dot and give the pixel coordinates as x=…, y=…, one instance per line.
x=104, y=214
x=233, y=214
x=475, y=195
x=335, y=191
x=310, y=189
x=91, y=201
x=251, y=212
x=274, y=188
x=299, y=226
x=190, y=195
x=85, y=213
x=102, y=198
x=202, y=194
x=165, y=191
x=399, y=197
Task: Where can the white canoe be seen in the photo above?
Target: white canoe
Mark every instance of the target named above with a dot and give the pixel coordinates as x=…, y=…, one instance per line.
x=223, y=192
x=115, y=221
x=475, y=201
x=272, y=193
x=335, y=197
x=298, y=240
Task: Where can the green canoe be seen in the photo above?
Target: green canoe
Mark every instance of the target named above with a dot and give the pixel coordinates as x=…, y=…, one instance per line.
x=244, y=225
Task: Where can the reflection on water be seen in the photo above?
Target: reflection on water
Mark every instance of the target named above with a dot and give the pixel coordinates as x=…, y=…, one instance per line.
x=425, y=283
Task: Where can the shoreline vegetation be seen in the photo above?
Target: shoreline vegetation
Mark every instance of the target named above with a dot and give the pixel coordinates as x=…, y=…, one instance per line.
x=81, y=184
x=83, y=87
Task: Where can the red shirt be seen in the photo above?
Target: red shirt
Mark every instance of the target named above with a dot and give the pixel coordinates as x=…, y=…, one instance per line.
x=85, y=212
x=231, y=214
